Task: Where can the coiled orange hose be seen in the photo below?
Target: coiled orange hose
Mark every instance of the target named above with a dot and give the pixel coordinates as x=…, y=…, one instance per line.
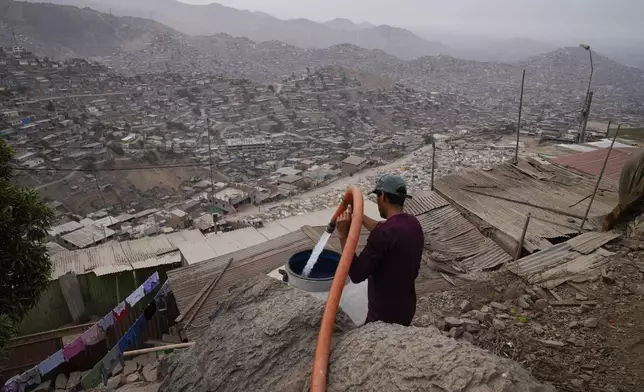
x=353, y=197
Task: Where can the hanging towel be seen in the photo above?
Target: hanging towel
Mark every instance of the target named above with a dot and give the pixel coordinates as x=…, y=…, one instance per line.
x=12, y=386
x=93, y=378
x=136, y=296
x=150, y=310
x=73, y=349
x=51, y=363
x=30, y=378
x=106, y=322
x=128, y=340
x=110, y=360
x=120, y=311
x=91, y=336
x=151, y=283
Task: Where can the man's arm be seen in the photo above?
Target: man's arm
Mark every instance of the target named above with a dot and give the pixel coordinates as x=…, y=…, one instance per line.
x=369, y=223
x=362, y=266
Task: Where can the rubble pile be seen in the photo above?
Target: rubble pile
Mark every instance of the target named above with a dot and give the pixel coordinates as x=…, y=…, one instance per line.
x=584, y=341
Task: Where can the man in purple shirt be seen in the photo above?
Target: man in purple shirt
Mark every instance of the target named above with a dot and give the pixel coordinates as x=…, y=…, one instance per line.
x=391, y=259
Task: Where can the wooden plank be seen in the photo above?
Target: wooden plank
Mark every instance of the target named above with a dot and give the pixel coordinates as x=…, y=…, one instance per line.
x=554, y=294
x=202, y=299
x=572, y=303
x=48, y=335
x=577, y=287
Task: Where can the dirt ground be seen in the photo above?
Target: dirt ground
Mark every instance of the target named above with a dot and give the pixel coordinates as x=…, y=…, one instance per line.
x=576, y=348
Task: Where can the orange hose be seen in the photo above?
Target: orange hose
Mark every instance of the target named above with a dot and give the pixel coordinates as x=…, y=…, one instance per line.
x=352, y=196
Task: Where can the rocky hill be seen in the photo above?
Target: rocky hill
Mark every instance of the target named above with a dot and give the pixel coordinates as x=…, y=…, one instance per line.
x=215, y=18
x=65, y=31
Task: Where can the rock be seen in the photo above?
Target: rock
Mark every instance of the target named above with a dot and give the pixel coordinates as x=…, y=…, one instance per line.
x=576, y=342
x=523, y=303
x=456, y=332
x=479, y=316
x=61, y=381
x=146, y=359
x=133, y=377
x=74, y=379
x=498, y=306
x=498, y=324
x=588, y=366
x=452, y=322
x=150, y=373
x=608, y=277
x=552, y=343
x=118, y=368
x=538, y=329
x=581, y=297
x=43, y=387
x=472, y=328
x=114, y=382
x=577, y=383
x=573, y=325
x=468, y=336
x=466, y=306
x=541, y=293
x=636, y=288
x=445, y=333
x=440, y=324
x=130, y=367
x=485, y=309
x=541, y=304
x=577, y=359
x=584, y=308
x=591, y=322
x=513, y=292
x=280, y=328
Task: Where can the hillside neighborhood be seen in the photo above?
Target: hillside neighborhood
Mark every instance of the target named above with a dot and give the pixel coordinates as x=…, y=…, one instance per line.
x=186, y=167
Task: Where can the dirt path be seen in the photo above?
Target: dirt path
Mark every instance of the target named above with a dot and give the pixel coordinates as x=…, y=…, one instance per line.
x=340, y=184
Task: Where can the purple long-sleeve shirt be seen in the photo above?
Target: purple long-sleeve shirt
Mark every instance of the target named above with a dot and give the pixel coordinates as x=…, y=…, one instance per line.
x=391, y=261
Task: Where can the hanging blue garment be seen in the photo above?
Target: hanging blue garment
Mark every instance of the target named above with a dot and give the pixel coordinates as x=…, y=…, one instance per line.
x=150, y=284
x=51, y=363
x=106, y=322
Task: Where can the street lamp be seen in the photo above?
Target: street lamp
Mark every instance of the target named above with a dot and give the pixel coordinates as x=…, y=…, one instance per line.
x=586, y=108
x=592, y=69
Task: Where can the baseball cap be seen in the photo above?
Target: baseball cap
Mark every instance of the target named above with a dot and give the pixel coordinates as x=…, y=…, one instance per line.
x=392, y=184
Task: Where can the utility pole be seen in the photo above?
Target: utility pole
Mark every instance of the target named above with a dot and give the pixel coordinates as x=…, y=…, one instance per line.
x=601, y=174
x=516, y=150
x=212, y=182
x=15, y=41
x=585, y=115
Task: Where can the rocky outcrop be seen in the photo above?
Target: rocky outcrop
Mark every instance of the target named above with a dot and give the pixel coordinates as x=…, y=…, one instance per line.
x=262, y=338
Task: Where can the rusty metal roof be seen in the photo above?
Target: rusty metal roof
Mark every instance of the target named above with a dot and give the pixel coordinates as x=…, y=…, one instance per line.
x=423, y=203
x=451, y=237
x=591, y=162
x=552, y=267
x=479, y=192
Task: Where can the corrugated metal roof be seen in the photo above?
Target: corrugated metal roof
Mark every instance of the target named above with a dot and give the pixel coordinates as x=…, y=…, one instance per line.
x=450, y=237
x=552, y=267
x=588, y=242
x=197, y=251
x=591, y=162
x=64, y=228
x=115, y=257
x=541, y=184
x=181, y=236
x=423, y=203
x=88, y=235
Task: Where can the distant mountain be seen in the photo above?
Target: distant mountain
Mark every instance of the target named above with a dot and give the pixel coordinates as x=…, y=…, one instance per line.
x=343, y=24
x=67, y=31
x=215, y=18
x=366, y=25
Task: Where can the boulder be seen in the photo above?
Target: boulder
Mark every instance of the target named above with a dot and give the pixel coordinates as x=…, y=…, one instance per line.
x=74, y=380
x=262, y=338
x=149, y=373
x=130, y=367
x=43, y=387
x=114, y=382
x=61, y=381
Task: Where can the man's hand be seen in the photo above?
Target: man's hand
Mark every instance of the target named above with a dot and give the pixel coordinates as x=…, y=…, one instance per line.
x=343, y=223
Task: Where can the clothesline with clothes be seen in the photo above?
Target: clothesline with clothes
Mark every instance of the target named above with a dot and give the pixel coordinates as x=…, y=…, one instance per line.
x=92, y=336
x=103, y=368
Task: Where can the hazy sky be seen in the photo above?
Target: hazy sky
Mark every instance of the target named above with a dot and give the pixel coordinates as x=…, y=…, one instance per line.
x=545, y=19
